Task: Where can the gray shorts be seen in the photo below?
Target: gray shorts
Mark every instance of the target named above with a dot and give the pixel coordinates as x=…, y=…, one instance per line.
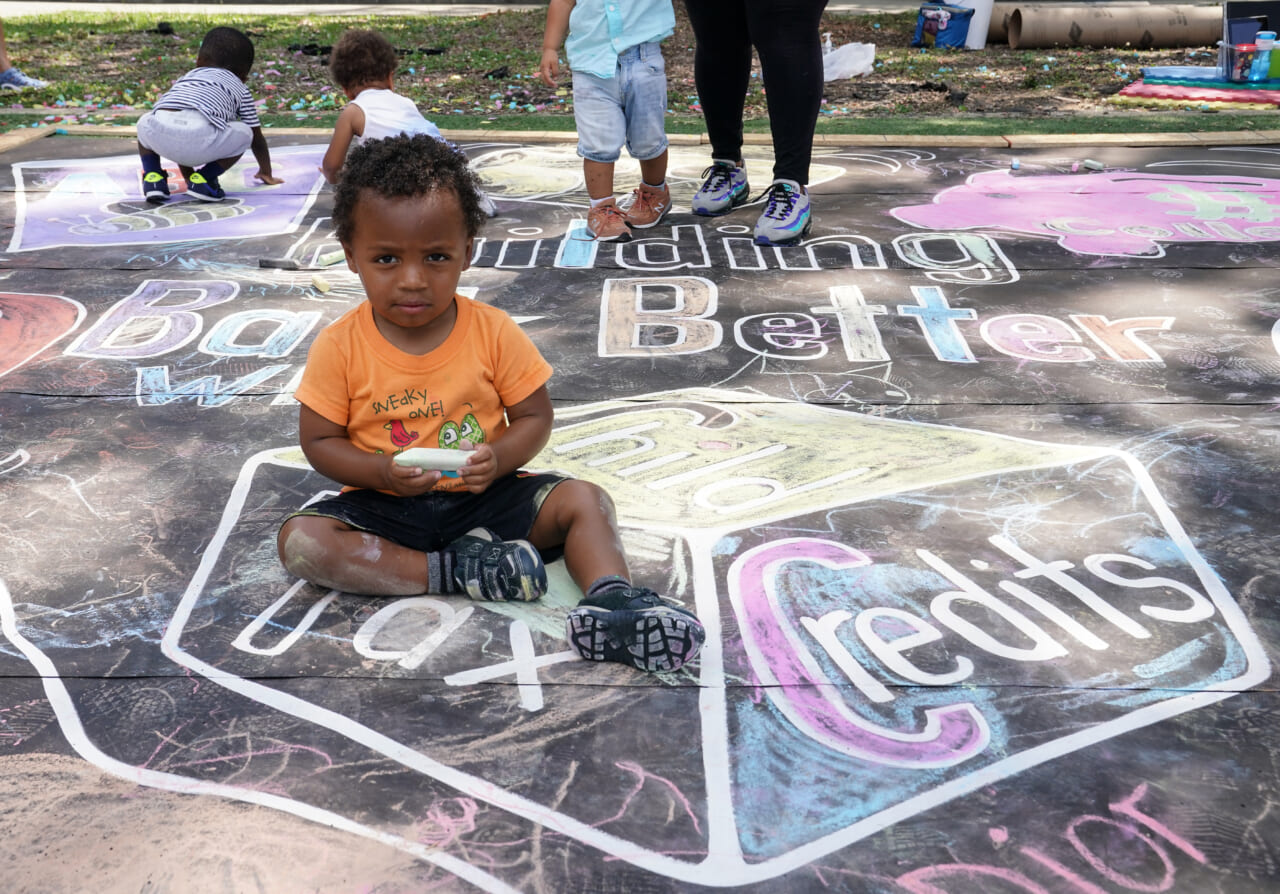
x=188, y=138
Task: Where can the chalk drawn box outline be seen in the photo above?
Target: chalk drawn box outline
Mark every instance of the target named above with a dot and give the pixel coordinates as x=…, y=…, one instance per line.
x=293, y=161
x=725, y=865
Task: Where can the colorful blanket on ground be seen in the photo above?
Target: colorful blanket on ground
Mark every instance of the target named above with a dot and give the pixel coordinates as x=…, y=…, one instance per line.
x=1198, y=94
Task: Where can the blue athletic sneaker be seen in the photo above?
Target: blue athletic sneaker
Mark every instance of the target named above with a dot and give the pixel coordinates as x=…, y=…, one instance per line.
x=724, y=189
x=155, y=186
x=785, y=219
x=205, y=188
x=13, y=79
x=633, y=625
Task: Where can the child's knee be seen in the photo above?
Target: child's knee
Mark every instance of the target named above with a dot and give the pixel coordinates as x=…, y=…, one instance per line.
x=577, y=500
x=587, y=496
x=302, y=553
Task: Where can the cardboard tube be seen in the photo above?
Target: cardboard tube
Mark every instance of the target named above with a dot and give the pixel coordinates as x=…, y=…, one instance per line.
x=1139, y=27
x=998, y=27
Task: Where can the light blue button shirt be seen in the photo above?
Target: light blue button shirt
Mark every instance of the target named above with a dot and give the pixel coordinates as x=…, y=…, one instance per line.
x=601, y=29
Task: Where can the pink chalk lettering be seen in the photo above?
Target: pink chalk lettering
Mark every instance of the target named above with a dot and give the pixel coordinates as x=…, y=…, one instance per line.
x=1082, y=885
x=919, y=881
x=1116, y=336
x=798, y=687
x=1128, y=833
x=1035, y=337
x=1128, y=807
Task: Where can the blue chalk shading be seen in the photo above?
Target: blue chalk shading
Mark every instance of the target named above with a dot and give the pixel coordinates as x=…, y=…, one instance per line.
x=1173, y=665
x=1157, y=551
x=726, y=546
x=1172, y=661
x=577, y=248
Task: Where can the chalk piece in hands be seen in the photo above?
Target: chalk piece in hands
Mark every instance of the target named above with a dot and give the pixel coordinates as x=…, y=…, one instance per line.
x=433, y=458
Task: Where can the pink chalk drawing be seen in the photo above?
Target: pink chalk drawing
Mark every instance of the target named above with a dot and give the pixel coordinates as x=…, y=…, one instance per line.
x=1111, y=213
x=31, y=323
x=795, y=683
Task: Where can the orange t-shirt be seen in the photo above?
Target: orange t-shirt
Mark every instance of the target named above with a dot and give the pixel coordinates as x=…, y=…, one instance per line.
x=390, y=401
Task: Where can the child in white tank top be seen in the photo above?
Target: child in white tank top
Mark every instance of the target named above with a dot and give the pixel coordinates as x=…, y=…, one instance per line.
x=363, y=63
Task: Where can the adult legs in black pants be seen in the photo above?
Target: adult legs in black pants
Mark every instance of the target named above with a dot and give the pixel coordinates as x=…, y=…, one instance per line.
x=785, y=35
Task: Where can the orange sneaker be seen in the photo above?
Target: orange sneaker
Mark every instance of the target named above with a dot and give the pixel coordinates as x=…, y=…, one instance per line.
x=607, y=223
x=649, y=206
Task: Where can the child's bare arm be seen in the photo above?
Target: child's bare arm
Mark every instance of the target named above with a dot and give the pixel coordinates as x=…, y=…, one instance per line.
x=331, y=453
x=350, y=124
x=528, y=429
x=553, y=36
x=263, y=156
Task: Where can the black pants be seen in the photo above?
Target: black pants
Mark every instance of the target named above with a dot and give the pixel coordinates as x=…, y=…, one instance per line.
x=785, y=35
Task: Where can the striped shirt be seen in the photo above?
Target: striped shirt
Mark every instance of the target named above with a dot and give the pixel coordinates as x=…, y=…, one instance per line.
x=215, y=93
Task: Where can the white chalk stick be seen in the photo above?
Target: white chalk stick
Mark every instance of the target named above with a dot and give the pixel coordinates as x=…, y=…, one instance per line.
x=433, y=458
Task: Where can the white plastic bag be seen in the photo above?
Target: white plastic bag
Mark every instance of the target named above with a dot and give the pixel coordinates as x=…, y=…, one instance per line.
x=848, y=61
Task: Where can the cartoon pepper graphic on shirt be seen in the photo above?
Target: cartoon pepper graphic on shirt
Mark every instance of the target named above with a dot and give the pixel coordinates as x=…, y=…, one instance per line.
x=452, y=434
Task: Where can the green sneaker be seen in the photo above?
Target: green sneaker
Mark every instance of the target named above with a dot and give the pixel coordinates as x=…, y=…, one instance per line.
x=206, y=189
x=155, y=186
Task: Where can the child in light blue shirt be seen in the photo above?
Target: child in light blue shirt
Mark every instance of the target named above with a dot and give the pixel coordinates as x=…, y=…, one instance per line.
x=619, y=96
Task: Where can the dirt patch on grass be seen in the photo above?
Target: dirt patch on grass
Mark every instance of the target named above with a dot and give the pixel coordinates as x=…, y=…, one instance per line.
x=486, y=66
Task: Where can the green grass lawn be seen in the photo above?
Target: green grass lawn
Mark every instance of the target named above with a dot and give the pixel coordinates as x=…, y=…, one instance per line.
x=478, y=73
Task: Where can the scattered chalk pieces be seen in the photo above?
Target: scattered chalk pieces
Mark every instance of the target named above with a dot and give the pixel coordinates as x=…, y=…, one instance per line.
x=1093, y=165
x=328, y=259
x=319, y=283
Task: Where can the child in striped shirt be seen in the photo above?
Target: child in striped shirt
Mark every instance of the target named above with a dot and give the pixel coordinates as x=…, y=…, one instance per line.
x=205, y=122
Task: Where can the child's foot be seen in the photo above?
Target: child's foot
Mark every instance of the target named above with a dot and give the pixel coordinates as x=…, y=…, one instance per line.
x=13, y=79
x=491, y=570
x=649, y=206
x=606, y=223
x=205, y=188
x=155, y=186
x=724, y=189
x=633, y=625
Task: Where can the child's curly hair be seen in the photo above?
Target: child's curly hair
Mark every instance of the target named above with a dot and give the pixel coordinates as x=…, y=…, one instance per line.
x=227, y=48
x=362, y=57
x=403, y=167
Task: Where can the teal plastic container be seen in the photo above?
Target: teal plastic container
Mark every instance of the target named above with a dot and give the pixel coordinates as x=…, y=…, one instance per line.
x=1260, y=70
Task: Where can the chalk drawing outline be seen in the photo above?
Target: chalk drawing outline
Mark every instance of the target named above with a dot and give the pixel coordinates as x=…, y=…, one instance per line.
x=291, y=159
x=724, y=865
x=49, y=339
x=78, y=738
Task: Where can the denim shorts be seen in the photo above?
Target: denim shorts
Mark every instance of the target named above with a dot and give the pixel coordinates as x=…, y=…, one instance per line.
x=435, y=519
x=186, y=137
x=631, y=105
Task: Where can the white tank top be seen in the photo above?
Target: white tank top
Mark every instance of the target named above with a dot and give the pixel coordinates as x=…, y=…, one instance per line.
x=387, y=113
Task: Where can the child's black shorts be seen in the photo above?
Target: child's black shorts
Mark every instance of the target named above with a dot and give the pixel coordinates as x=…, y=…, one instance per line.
x=433, y=520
